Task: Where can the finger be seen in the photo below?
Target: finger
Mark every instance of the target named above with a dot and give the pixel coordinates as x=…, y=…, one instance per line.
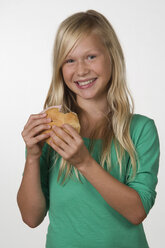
x=37, y=139
x=59, y=141
x=62, y=133
x=37, y=130
x=35, y=123
x=57, y=148
x=71, y=130
x=35, y=117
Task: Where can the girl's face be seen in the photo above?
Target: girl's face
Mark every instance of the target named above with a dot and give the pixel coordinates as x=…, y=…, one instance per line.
x=87, y=68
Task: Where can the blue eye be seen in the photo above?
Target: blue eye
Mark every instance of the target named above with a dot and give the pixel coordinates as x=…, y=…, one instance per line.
x=69, y=61
x=90, y=57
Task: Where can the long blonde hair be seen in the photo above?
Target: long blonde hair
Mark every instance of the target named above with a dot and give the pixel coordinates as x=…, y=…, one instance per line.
x=115, y=127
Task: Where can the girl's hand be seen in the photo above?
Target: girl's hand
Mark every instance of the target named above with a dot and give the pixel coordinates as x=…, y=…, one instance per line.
x=31, y=134
x=70, y=147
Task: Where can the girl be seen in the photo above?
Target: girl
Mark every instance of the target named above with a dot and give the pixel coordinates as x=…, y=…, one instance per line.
x=98, y=186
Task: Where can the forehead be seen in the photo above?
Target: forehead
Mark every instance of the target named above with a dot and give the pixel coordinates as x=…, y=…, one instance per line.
x=86, y=44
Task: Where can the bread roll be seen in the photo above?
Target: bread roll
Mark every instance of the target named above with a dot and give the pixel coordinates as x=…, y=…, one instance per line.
x=58, y=118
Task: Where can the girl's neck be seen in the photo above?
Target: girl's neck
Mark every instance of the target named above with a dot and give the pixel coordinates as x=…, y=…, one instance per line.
x=93, y=111
x=90, y=123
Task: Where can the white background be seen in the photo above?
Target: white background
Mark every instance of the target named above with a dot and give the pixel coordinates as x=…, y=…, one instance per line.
x=27, y=31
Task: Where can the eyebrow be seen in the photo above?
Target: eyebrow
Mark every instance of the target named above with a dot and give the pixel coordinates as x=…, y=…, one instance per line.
x=92, y=50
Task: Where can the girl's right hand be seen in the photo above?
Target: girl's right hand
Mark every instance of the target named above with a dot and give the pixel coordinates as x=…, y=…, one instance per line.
x=32, y=136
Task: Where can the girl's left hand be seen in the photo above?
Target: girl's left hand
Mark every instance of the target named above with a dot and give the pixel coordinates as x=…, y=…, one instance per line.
x=70, y=147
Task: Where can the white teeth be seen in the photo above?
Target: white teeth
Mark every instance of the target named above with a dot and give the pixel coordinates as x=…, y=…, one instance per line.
x=85, y=83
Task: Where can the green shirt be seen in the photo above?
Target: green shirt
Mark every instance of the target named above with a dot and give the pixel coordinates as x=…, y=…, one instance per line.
x=80, y=217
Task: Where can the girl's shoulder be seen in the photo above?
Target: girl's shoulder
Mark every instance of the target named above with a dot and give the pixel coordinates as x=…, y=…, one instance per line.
x=140, y=120
x=142, y=125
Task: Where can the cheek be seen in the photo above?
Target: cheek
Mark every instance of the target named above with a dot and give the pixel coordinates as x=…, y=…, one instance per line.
x=103, y=69
x=107, y=68
x=97, y=68
x=66, y=74
x=108, y=71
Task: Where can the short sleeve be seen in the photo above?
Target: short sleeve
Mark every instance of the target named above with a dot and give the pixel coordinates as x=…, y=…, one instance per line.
x=146, y=142
x=44, y=172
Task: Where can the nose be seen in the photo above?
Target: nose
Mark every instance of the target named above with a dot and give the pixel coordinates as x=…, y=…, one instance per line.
x=82, y=68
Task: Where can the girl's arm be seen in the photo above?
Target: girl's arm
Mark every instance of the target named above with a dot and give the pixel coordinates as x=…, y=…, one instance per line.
x=31, y=201
x=119, y=196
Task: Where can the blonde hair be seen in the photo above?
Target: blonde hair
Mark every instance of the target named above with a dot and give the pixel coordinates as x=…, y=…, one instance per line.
x=115, y=127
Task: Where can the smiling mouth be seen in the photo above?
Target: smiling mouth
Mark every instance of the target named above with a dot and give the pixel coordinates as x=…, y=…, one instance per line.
x=85, y=82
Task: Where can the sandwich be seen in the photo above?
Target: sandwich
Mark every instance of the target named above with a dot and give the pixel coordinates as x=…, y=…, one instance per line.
x=58, y=119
